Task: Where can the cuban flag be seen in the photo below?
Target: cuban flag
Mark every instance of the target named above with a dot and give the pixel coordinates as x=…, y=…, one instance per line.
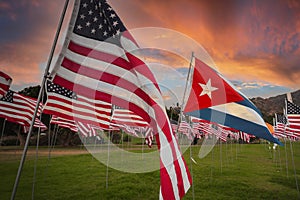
x=215, y=99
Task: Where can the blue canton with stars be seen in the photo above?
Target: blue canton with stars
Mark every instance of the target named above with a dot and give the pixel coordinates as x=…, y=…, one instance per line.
x=51, y=87
x=8, y=97
x=281, y=119
x=97, y=20
x=292, y=108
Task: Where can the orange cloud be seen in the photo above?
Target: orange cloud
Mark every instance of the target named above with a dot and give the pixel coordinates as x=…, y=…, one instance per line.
x=248, y=40
x=27, y=39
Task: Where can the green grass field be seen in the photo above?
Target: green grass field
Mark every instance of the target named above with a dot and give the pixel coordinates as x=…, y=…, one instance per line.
x=230, y=171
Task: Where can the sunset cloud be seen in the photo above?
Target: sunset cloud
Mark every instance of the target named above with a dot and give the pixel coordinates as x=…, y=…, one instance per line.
x=251, y=39
x=27, y=32
x=248, y=41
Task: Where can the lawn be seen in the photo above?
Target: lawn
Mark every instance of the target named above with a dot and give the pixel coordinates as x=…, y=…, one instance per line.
x=230, y=171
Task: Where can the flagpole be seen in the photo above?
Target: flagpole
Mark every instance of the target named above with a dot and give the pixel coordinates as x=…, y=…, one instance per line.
x=184, y=93
x=295, y=174
x=35, y=162
x=108, y=145
x=38, y=101
x=107, y=162
x=221, y=161
x=49, y=132
x=2, y=132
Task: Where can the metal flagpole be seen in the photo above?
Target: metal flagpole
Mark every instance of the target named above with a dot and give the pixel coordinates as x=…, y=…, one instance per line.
x=143, y=141
x=191, y=167
x=226, y=151
x=108, y=145
x=295, y=174
x=107, y=163
x=181, y=111
x=13, y=194
x=35, y=161
x=184, y=93
x=212, y=160
x=55, y=129
x=19, y=133
x=3, y=127
x=279, y=158
x=286, y=159
x=122, y=140
x=231, y=154
x=221, y=159
x=49, y=132
x=236, y=146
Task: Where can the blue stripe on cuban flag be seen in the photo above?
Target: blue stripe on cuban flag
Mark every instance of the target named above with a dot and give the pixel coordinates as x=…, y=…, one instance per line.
x=245, y=102
x=243, y=116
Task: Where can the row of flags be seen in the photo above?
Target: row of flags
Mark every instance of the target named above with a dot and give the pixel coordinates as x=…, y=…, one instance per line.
x=81, y=114
x=287, y=125
x=200, y=128
x=97, y=69
x=19, y=109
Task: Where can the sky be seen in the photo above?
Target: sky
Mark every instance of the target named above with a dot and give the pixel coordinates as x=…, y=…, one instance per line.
x=254, y=44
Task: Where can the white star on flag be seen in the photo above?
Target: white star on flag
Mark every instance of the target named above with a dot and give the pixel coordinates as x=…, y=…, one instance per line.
x=207, y=89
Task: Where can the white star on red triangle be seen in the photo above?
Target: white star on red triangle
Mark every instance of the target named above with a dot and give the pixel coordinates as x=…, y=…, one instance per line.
x=207, y=88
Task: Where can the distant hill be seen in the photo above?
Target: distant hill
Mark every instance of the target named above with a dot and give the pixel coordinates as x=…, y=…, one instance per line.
x=272, y=105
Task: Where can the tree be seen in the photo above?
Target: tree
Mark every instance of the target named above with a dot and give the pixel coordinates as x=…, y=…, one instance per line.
x=173, y=113
x=32, y=91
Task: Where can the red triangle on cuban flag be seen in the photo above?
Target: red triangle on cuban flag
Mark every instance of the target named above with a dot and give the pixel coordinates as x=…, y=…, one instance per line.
x=209, y=89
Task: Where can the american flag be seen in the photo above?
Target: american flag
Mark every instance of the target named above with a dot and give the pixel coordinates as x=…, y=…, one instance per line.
x=37, y=124
x=222, y=133
x=65, y=123
x=5, y=82
x=130, y=130
x=207, y=127
x=18, y=108
x=96, y=62
x=203, y=125
x=244, y=136
x=126, y=117
x=186, y=129
x=293, y=118
x=217, y=131
x=68, y=105
x=149, y=136
x=87, y=130
x=280, y=125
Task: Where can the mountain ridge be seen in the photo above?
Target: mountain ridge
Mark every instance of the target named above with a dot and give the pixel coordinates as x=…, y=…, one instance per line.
x=270, y=106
